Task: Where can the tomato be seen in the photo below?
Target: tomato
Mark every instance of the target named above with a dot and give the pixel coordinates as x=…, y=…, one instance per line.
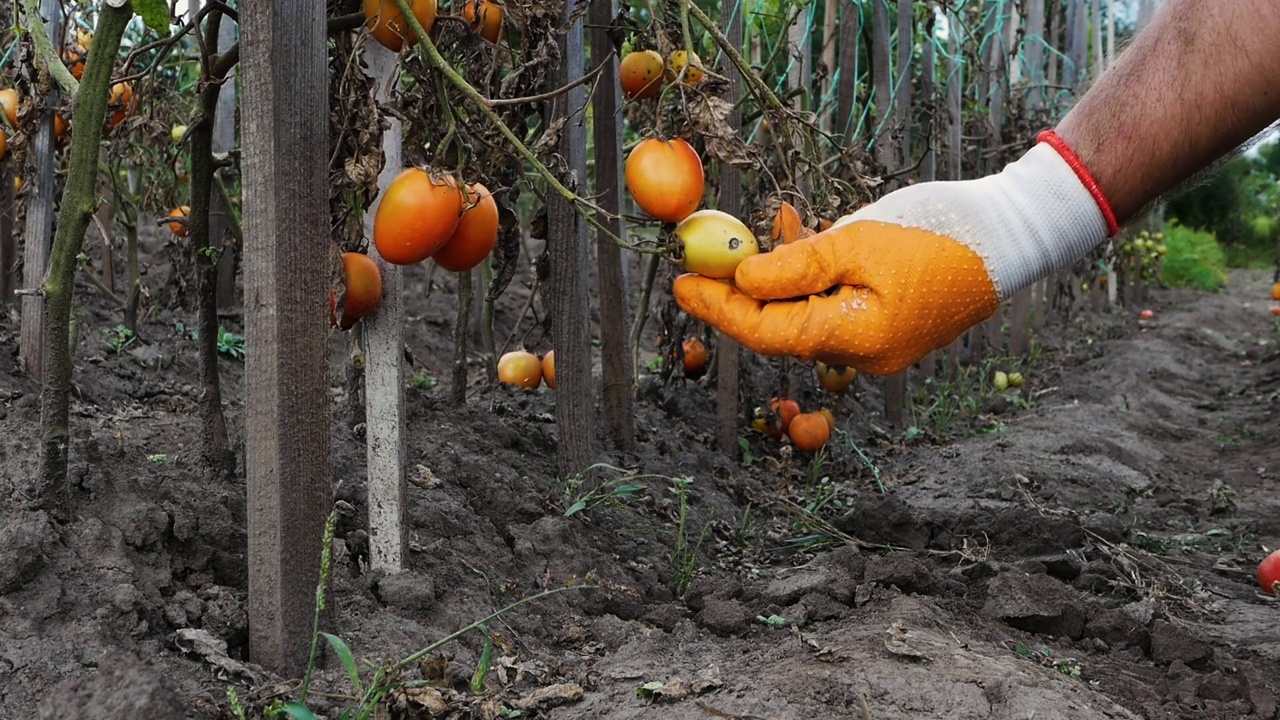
x=489, y=22
x=1275, y=291
x=786, y=224
x=387, y=24
x=73, y=58
x=1275, y=309
x=714, y=242
x=59, y=128
x=835, y=378
x=364, y=289
x=549, y=369
x=9, y=102
x=829, y=417
x=1146, y=314
x=666, y=179
x=476, y=234
x=695, y=357
x=520, y=368
x=641, y=74
x=809, y=431
x=120, y=102
x=1269, y=573
x=679, y=62
x=177, y=228
x=416, y=217
x=785, y=409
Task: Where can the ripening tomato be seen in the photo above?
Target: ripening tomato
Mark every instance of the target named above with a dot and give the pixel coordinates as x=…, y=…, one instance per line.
x=809, y=431
x=9, y=102
x=714, y=242
x=363, y=290
x=786, y=410
x=179, y=228
x=476, y=234
x=1275, y=291
x=786, y=224
x=666, y=178
x=520, y=368
x=695, y=357
x=73, y=58
x=829, y=417
x=641, y=74
x=120, y=103
x=835, y=378
x=679, y=61
x=59, y=128
x=549, y=369
x=1146, y=314
x=485, y=17
x=1269, y=573
x=416, y=217
x=1275, y=309
x=387, y=24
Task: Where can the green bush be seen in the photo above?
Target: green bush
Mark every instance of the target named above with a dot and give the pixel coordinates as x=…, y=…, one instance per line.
x=1194, y=259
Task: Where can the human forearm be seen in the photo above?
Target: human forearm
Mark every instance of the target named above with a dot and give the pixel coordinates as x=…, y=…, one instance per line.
x=1197, y=83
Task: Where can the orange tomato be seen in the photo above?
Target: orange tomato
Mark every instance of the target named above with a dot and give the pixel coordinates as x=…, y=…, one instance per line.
x=824, y=224
x=9, y=102
x=73, y=58
x=177, y=228
x=120, y=102
x=835, y=378
x=59, y=128
x=666, y=179
x=809, y=431
x=786, y=224
x=829, y=417
x=520, y=368
x=1275, y=309
x=1275, y=291
x=387, y=24
x=641, y=74
x=695, y=357
x=476, y=234
x=786, y=410
x=417, y=216
x=549, y=369
x=364, y=289
x=485, y=17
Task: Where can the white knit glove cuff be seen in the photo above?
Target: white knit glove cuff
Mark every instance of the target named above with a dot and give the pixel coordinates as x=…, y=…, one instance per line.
x=1033, y=218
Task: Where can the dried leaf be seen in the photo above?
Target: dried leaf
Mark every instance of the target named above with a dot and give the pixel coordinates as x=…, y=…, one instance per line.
x=550, y=696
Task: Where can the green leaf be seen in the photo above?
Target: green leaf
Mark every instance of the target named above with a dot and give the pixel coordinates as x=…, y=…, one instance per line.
x=155, y=13
x=576, y=508
x=293, y=709
x=348, y=660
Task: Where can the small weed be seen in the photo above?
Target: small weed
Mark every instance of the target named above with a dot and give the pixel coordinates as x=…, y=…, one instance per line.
x=120, y=338
x=230, y=344
x=747, y=458
x=685, y=555
x=745, y=528
x=772, y=620
x=158, y=458
x=1044, y=656
x=654, y=364
x=613, y=492
x=423, y=381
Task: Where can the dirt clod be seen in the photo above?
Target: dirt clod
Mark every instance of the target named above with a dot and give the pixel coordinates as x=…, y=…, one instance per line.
x=1170, y=643
x=123, y=687
x=1035, y=603
x=725, y=617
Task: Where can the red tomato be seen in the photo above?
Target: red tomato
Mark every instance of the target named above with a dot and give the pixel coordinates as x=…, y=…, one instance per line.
x=1269, y=573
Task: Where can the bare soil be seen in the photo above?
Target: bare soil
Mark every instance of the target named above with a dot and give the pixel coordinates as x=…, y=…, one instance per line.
x=1087, y=552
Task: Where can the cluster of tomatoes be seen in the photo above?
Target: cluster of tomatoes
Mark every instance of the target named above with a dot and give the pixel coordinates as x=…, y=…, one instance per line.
x=388, y=26
x=809, y=431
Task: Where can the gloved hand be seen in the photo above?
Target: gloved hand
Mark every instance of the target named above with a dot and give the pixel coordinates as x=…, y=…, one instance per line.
x=909, y=273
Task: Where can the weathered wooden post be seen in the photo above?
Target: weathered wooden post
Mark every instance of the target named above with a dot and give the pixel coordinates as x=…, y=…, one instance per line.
x=289, y=261
x=37, y=235
x=384, y=362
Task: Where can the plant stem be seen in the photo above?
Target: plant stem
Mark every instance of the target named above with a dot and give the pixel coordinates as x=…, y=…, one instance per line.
x=77, y=206
x=46, y=55
x=458, y=392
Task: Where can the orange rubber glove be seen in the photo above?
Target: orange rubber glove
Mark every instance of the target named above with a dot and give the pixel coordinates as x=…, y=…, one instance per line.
x=909, y=273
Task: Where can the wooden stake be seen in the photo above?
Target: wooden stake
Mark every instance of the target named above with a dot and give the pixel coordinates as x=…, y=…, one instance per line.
x=289, y=269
